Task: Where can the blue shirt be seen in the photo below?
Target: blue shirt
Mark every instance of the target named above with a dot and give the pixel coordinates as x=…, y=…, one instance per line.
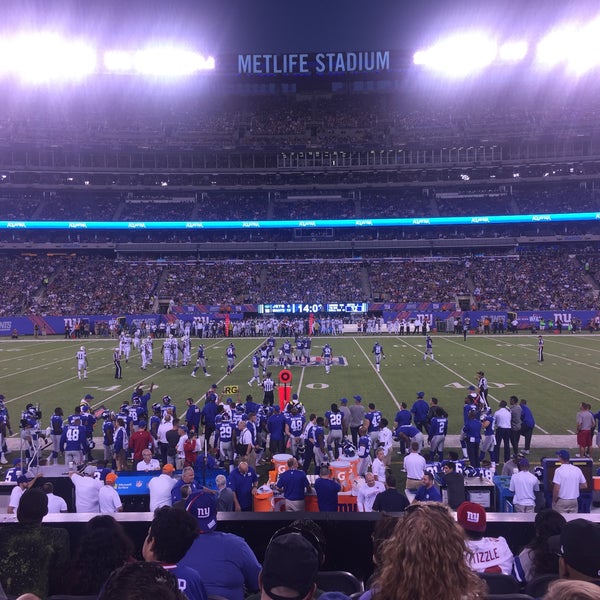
x=431, y=494
x=293, y=482
x=420, y=410
x=225, y=563
x=189, y=581
x=327, y=494
x=403, y=417
x=276, y=426
x=242, y=485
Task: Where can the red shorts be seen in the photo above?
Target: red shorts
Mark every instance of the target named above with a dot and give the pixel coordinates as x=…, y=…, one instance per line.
x=584, y=438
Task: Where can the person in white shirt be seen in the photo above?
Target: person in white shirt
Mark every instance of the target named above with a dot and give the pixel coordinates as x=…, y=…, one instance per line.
x=148, y=463
x=160, y=488
x=378, y=466
x=23, y=483
x=86, y=490
x=56, y=504
x=386, y=440
x=108, y=497
x=367, y=492
x=568, y=481
x=414, y=465
x=490, y=554
x=524, y=485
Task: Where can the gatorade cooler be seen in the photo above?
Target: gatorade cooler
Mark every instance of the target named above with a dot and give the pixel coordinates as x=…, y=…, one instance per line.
x=263, y=501
x=353, y=460
x=280, y=463
x=342, y=469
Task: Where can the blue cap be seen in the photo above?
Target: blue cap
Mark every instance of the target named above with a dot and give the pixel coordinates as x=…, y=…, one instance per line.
x=22, y=479
x=17, y=461
x=564, y=454
x=294, y=396
x=88, y=397
x=357, y=398
x=142, y=423
x=420, y=394
x=203, y=506
x=183, y=428
x=472, y=388
x=344, y=400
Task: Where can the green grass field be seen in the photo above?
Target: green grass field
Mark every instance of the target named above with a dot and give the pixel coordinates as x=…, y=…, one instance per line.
x=44, y=371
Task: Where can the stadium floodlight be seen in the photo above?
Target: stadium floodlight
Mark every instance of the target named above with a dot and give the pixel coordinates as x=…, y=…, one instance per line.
x=584, y=55
x=513, y=51
x=171, y=62
x=554, y=48
x=43, y=57
x=460, y=55
x=117, y=61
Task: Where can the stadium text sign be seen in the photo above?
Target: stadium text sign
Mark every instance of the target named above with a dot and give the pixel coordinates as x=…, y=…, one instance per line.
x=313, y=63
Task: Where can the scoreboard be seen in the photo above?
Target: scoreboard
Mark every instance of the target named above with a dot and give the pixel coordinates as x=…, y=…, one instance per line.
x=300, y=308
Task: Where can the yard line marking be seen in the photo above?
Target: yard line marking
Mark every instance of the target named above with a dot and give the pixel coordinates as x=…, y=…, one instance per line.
x=468, y=381
x=560, y=383
x=385, y=385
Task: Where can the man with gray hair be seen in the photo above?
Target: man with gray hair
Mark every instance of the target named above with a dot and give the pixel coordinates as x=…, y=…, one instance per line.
x=224, y=495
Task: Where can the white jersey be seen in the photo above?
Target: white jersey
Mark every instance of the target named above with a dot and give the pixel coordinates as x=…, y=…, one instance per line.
x=491, y=555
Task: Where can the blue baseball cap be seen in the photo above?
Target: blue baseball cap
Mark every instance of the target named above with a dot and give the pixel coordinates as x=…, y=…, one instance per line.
x=17, y=461
x=420, y=394
x=142, y=423
x=88, y=397
x=357, y=398
x=344, y=400
x=203, y=506
x=563, y=454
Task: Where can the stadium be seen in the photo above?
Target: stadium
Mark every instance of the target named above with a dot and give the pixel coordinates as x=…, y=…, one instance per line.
x=229, y=175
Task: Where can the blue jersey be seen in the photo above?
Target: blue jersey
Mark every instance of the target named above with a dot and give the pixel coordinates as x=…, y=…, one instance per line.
x=201, y=352
x=403, y=417
x=420, y=410
x=364, y=446
x=73, y=439
x=489, y=428
x=467, y=408
x=230, y=352
x=377, y=350
x=296, y=424
x=428, y=343
x=108, y=433
x=56, y=424
x=438, y=426
x=327, y=352
x=374, y=418
x=225, y=430
x=409, y=430
x=88, y=421
x=255, y=361
x=334, y=419
x=287, y=347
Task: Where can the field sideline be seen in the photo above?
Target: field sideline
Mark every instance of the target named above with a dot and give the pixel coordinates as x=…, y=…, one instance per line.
x=44, y=371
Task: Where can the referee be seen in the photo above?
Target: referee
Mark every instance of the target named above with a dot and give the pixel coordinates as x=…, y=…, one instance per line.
x=540, y=348
x=117, y=361
x=268, y=386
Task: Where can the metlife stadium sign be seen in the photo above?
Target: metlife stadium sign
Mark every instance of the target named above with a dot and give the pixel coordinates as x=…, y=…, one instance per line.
x=315, y=63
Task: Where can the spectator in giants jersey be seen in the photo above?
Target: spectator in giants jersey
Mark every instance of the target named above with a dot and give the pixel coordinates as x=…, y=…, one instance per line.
x=489, y=555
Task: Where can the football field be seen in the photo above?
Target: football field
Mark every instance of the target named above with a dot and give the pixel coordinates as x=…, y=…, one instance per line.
x=44, y=372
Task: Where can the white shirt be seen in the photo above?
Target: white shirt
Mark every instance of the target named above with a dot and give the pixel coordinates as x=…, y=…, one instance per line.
x=15, y=497
x=386, y=438
x=161, y=432
x=491, y=552
x=378, y=469
x=56, y=504
x=153, y=465
x=524, y=484
x=86, y=493
x=568, y=477
x=367, y=494
x=109, y=500
x=502, y=418
x=160, y=491
x=414, y=464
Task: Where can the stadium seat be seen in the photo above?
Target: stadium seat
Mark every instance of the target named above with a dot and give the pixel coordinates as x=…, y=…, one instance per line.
x=538, y=586
x=339, y=581
x=500, y=584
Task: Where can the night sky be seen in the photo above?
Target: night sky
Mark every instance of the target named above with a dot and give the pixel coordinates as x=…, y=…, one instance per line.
x=224, y=26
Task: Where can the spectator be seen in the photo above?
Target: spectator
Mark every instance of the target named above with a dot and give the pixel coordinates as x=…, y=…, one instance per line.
x=403, y=574
x=171, y=534
x=23, y=484
x=524, y=485
x=568, y=480
x=454, y=483
x=33, y=558
x=108, y=497
x=390, y=500
x=537, y=558
x=56, y=504
x=104, y=547
x=427, y=492
x=224, y=561
x=489, y=555
x=148, y=463
x=87, y=489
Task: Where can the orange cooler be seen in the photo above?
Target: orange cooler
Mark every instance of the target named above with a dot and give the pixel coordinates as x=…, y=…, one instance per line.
x=342, y=470
x=280, y=463
x=263, y=502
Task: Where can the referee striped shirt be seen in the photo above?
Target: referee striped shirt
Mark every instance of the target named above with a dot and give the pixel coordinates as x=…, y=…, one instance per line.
x=268, y=384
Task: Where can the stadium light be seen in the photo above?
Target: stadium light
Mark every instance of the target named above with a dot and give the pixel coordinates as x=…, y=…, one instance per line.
x=117, y=61
x=171, y=62
x=460, y=55
x=43, y=57
x=553, y=49
x=512, y=52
